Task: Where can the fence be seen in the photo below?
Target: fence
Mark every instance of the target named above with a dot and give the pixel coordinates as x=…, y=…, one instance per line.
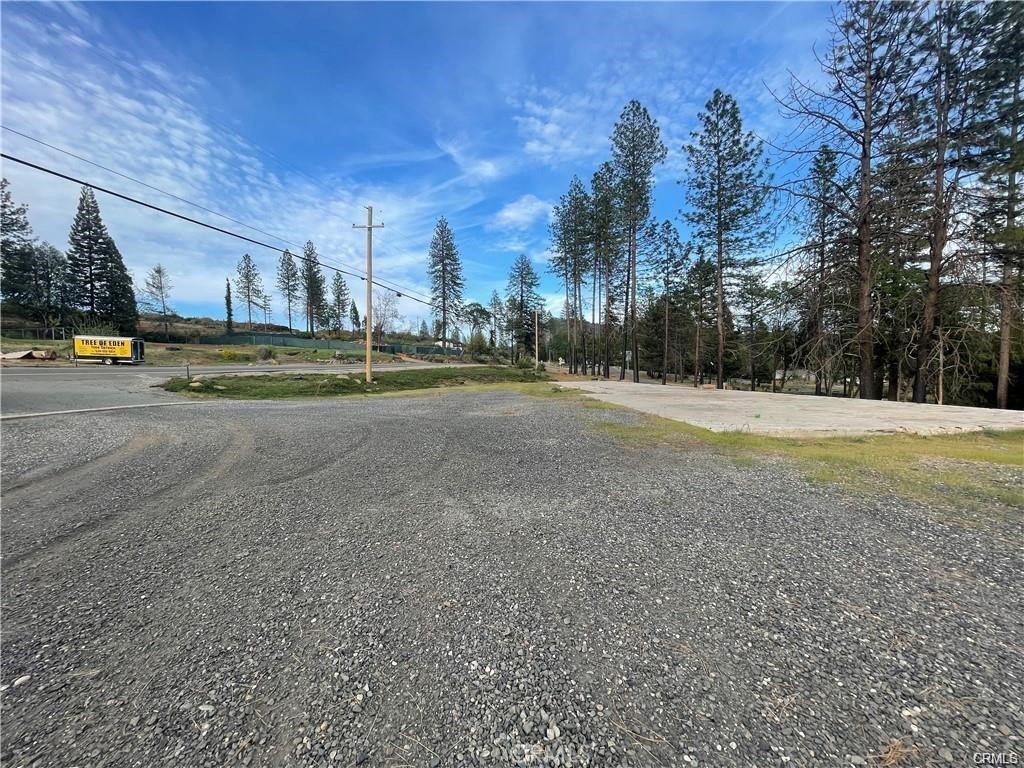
x=53, y=334
x=282, y=340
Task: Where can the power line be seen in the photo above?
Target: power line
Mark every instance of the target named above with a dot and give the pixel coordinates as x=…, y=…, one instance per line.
x=192, y=203
x=189, y=219
x=102, y=97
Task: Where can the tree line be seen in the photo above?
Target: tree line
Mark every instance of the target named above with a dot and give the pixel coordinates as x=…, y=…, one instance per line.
x=86, y=286
x=888, y=264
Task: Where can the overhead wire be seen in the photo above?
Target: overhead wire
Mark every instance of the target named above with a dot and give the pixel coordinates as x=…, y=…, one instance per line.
x=321, y=260
x=102, y=97
x=198, y=222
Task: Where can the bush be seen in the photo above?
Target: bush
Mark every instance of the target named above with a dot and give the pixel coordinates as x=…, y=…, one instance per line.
x=229, y=354
x=265, y=353
x=542, y=367
x=525, y=363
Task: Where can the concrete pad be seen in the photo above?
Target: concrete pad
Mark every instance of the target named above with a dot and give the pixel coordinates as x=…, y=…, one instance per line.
x=778, y=414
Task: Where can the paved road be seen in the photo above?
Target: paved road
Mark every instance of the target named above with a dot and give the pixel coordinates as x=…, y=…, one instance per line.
x=38, y=390
x=766, y=413
x=480, y=579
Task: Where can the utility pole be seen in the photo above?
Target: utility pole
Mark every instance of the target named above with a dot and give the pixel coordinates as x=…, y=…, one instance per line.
x=368, y=320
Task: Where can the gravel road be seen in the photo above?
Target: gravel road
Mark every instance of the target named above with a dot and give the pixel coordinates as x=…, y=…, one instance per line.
x=479, y=579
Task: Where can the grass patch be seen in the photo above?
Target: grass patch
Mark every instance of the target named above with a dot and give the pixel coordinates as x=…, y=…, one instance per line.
x=290, y=386
x=964, y=471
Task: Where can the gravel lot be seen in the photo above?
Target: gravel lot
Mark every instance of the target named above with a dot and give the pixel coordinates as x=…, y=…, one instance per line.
x=479, y=579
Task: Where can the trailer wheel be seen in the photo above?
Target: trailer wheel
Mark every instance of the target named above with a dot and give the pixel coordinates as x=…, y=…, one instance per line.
x=108, y=361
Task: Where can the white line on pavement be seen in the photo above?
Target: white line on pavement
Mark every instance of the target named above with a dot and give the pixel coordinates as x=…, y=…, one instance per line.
x=13, y=416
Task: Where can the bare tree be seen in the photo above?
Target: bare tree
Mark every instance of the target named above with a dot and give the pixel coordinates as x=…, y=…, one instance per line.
x=156, y=294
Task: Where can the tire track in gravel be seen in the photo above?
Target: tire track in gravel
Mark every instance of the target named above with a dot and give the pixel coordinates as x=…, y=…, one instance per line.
x=239, y=442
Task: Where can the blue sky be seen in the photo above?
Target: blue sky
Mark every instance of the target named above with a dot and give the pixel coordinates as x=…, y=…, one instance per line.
x=291, y=117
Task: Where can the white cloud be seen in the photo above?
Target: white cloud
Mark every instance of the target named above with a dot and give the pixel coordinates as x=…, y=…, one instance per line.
x=125, y=112
x=521, y=213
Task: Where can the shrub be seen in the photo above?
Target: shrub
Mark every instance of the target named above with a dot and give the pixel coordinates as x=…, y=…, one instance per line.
x=265, y=353
x=525, y=363
x=229, y=354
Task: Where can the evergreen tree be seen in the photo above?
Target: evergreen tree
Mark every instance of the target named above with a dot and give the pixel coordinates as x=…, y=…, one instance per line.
x=948, y=110
x=88, y=255
x=1003, y=170
x=870, y=69
x=16, y=243
x=313, y=288
x=636, y=150
x=353, y=314
x=727, y=187
x=424, y=331
x=249, y=285
x=115, y=299
x=497, y=310
x=229, y=311
x=49, y=299
x=699, y=297
x=606, y=233
x=522, y=299
x=571, y=241
x=446, y=283
x=669, y=267
x=340, y=301
x=289, y=283
x=157, y=292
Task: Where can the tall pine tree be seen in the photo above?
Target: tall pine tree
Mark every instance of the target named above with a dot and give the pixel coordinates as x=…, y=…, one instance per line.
x=726, y=188
x=87, y=255
x=312, y=288
x=522, y=300
x=16, y=243
x=446, y=282
x=289, y=283
x=249, y=285
x=636, y=150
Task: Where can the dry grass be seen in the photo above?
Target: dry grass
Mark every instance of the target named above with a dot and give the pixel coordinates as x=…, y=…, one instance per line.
x=977, y=471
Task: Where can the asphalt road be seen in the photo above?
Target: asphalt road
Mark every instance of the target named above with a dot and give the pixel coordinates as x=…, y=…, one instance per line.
x=480, y=579
x=26, y=390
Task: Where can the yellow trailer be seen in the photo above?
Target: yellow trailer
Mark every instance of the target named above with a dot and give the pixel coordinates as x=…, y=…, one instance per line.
x=109, y=349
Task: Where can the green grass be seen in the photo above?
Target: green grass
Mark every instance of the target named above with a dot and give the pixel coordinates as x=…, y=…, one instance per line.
x=290, y=386
x=964, y=471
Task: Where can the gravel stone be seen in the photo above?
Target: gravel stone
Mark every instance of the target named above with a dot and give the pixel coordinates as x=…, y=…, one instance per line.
x=479, y=579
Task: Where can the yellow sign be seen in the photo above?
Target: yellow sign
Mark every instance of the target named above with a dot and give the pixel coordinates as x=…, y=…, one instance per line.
x=103, y=346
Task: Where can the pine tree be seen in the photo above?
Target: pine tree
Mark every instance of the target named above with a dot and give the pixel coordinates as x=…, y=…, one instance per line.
x=289, y=283
x=157, y=292
x=340, y=300
x=522, y=300
x=424, y=332
x=313, y=288
x=571, y=242
x=353, y=314
x=950, y=99
x=669, y=267
x=249, y=284
x=229, y=311
x=1003, y=164
x=871, y=70
x=88, y=255
x=16, y=243
x=726, y=188
x=115, y=298
x=49, y=298
x=607, y=237
x=497, y=310
x=636, y=150
x=446, y=283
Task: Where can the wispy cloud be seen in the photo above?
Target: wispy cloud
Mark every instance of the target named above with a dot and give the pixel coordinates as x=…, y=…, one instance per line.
x=522, y=213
